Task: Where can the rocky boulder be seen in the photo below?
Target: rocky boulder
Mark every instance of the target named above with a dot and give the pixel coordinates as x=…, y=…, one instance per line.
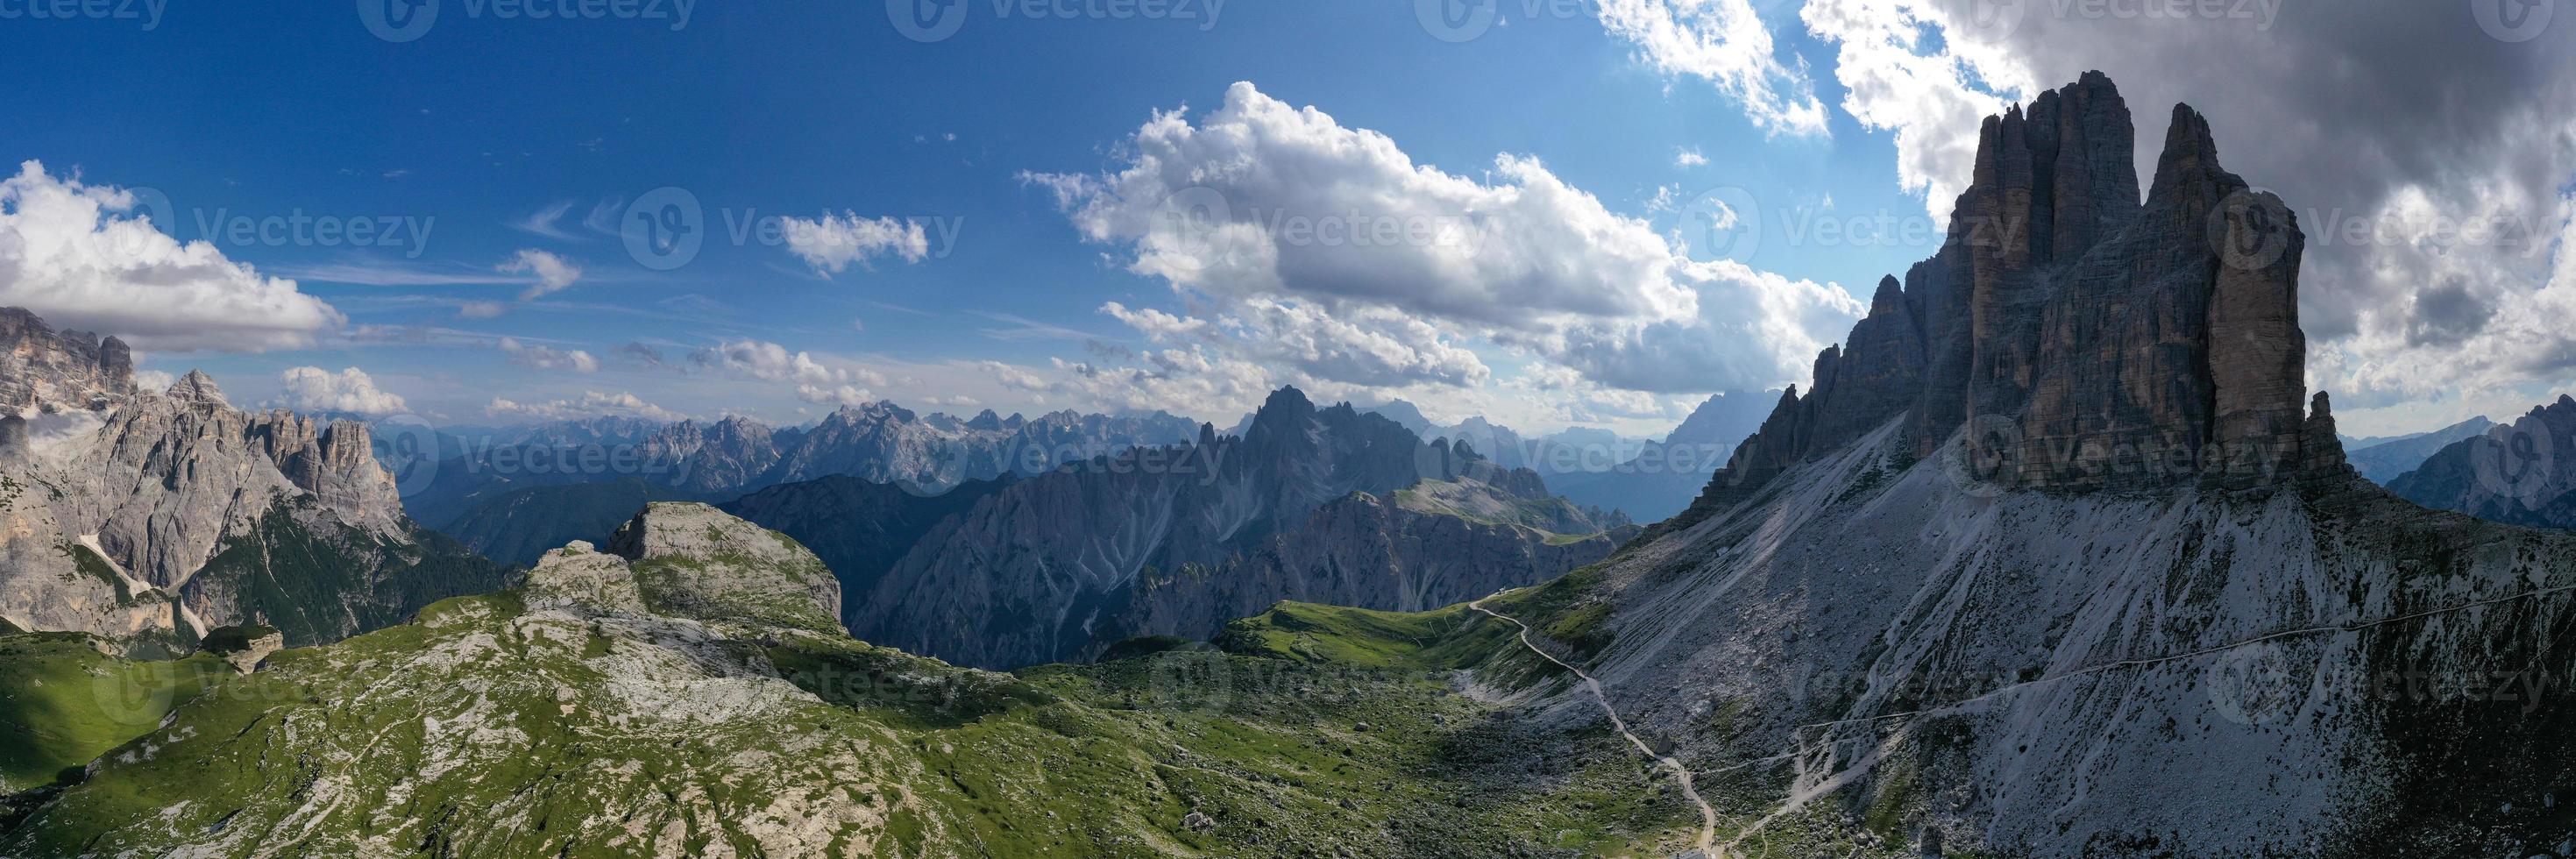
x=693, y=561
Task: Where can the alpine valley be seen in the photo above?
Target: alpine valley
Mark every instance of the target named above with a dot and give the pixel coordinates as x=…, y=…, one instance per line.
x=2055, y=555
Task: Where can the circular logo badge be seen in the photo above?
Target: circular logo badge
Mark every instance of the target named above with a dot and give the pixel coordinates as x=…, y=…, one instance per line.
x=1457, y=20
x=407, y=446
x=2254, y=685
x=2250, y=229
x=1188, y=230
x=1722, y=224
x=398, y=21
x=1985, y=20
x=1987, y=459
x=151, y=204
x=664, y=229
x=2519, y=461
x=927, y=21
x=2513, y=21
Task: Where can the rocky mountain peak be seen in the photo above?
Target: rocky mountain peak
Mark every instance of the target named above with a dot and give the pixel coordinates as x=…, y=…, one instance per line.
x=198, y=389
x=44, y=368
x=2089, y=341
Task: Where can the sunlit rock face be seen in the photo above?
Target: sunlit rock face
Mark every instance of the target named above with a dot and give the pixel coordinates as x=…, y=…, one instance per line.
x=44, y=368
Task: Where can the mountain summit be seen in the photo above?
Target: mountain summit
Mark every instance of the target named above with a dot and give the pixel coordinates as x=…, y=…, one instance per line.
x=2087, y=342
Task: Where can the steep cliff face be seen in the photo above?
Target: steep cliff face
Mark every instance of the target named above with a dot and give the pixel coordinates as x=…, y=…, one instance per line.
x=2085, y=341
x=2522, y=473
x=2099, y=580
x=1043, y=570
x=178, y=513
x=44, y=368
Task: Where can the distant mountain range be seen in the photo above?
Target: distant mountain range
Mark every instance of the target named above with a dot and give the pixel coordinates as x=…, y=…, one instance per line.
x=2385, y=461
x=734, y=456
x=1327, y=504
x=1647, y=480
x=2522, y=473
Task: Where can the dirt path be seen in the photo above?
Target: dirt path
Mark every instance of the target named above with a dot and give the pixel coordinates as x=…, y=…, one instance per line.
x=1681, y=774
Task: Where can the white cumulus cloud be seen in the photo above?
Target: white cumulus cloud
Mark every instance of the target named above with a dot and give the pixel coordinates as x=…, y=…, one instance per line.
x=553, y=273
x=835, y=242
x=547, y=357
x=87, y=256
x=313, y=389
x=589, y=405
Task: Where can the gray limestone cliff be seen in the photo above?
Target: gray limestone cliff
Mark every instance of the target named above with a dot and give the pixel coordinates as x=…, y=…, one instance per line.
x=174, y=512
x=44, y=368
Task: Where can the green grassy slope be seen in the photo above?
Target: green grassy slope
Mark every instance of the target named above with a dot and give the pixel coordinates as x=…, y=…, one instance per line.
x=490, y=729
x=63, y=704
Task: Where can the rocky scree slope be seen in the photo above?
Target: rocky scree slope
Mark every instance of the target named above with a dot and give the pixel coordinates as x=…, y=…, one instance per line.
x=1176, y=541
x=2051, y=561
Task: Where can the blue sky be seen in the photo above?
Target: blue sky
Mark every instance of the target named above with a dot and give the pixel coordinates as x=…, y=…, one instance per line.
x=481, y=125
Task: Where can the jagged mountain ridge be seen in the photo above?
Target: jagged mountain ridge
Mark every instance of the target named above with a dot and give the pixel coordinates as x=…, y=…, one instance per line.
x=1049, y=569
x=171, y=513
x=2522, y=473
x=41, y=367
x=2049, y=561
x=733, y=456
x=2086, y=341
x=1648, y=481
x=2386, y=461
